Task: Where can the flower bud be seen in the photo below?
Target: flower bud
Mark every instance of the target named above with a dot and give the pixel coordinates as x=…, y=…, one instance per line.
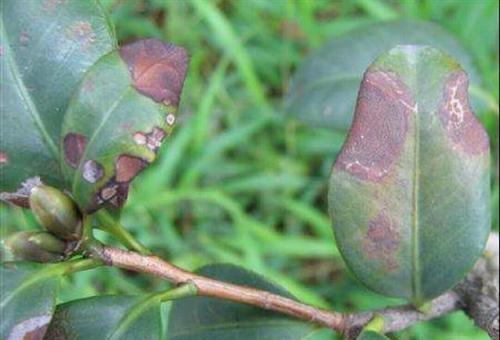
x=56, y=212
x=38, y=246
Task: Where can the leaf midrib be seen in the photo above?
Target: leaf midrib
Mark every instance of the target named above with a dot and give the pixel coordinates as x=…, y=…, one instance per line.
x=23, y=93
x=415, y=228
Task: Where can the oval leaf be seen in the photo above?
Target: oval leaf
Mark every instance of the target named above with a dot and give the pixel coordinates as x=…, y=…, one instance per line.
x=203, y=318
x=324, y=89
x=118, y=119
x=27, y=300
x=409, y=192
x=107, y=317
x=45, y=48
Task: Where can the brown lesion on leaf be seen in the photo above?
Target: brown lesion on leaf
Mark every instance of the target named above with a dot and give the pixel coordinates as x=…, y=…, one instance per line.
x=82, y=32
x=30, y=329
x=463, y=128
x=21, y=196
x=382, y=241
x=158, y=69
x=170, y=119
x=4, y=159
x=151, y=140
x=115, y=191
x=383, y=112
x=127, y=167
x=92, y=171
x=74, y=146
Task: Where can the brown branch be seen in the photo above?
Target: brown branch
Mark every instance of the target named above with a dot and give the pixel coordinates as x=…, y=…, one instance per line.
x=209, y=287
x=477, y=295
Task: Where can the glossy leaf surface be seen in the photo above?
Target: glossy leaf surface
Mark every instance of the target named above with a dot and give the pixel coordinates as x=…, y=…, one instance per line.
x=45, y=48
x=117, y=120
x=409, y=192
x=324, y=89
x=107, y=317
x=27, y=300
x=204, y=318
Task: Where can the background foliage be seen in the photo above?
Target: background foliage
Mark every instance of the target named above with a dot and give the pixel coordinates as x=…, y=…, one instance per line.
x=239, y=183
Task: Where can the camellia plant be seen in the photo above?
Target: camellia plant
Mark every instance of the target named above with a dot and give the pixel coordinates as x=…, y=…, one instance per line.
x=81, y=117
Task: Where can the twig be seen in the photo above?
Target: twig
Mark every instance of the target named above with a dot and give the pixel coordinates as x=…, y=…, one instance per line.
x=209, y=287
x=477, y=295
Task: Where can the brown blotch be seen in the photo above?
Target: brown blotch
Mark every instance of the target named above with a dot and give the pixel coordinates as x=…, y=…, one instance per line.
x=112, y=193
x=382, y=241
x=4, y=159
x=127, y=167
x=158, y=69
x=92, y=171
x=152, y=140
x=30, y=329
x=463, y=128
x=378, y=132
x=74, y=147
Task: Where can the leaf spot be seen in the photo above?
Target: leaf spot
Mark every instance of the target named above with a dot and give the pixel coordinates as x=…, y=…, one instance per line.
x=92, y=171
x=81, y=31
x=379, y=128
x=158, y=69
x=382, y=241
x=462, y=126
x=170, y=119
x=127, y=167
x=74, y=147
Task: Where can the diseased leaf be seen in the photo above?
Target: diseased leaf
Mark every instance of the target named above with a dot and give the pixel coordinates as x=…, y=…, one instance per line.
x=324, y=89
x=27, y=300
x=409, y=191
x=45, y=48
x=203, y=318
x=107, y=317
x=116, y=122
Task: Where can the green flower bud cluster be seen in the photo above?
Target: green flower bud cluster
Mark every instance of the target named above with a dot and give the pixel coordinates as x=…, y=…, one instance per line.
x=58, y=214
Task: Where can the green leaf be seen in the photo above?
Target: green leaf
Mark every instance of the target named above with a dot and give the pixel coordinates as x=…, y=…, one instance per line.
x=118, y=118
x=45, y=48
x=27, y=300
x=371, y=335
x=107, y=317
x=409, y=191
x=324, y=89
x=204, y=318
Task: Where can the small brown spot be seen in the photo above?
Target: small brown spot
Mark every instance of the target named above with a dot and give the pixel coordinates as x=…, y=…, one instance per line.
x=81, y=31
x=30, y=329
x=92, y=171
x=127, y=167
x=376, y=139
x=4, y=159
x=74, y=147
x=462, y=126
x=382, y=241
x=158, y=69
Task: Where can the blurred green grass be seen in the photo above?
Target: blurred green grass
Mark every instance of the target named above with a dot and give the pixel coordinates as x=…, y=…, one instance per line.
x=239, y=183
